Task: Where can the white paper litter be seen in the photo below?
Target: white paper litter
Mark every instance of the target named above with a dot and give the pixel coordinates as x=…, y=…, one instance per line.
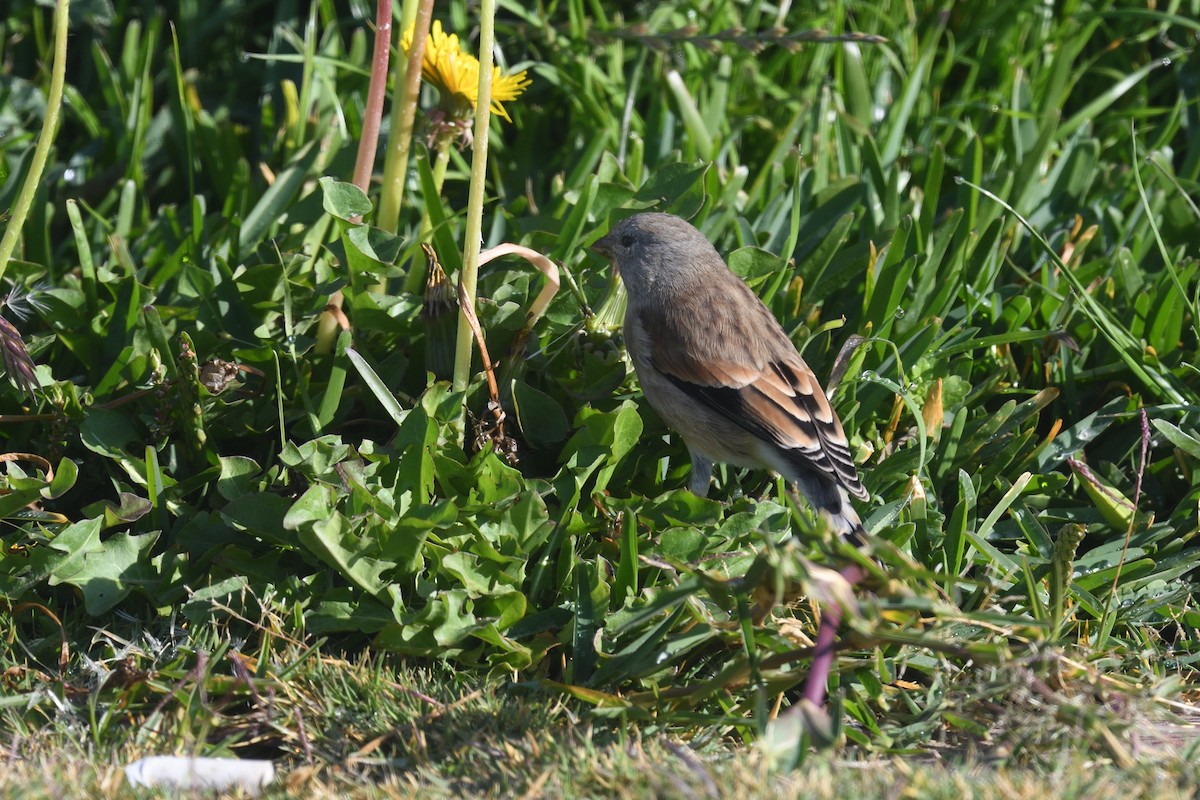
x=181, y=772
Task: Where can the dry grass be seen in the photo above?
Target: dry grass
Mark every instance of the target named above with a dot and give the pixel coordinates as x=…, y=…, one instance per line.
x=657, y=768
x=368, y=727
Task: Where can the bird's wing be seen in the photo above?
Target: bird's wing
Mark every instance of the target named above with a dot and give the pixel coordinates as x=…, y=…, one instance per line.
x=735, y=358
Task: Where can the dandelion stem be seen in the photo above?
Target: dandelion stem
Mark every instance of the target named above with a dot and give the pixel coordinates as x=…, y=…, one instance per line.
x=41, y=152
x=474, y=239
x=404, y=113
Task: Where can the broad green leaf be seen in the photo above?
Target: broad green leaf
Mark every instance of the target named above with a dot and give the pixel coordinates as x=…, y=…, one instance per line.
x=238, y=476
x=675, y=187
x=542, y=420
x=332, y=540
x=343, y=200
x=71, y=546
x=104, y=571
x=626, y=430
x=370, y=249
x=749, y=263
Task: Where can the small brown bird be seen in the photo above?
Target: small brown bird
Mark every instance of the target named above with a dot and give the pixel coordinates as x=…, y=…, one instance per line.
x=720, y=370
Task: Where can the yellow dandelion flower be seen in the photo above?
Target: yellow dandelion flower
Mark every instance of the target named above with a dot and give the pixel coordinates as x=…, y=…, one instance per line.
x=455, y=74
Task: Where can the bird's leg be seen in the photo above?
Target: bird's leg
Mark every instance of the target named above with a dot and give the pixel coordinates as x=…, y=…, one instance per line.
x=701, y=475
x=822, y=661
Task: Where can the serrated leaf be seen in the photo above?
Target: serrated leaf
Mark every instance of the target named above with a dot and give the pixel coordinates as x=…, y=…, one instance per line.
x=104, y=571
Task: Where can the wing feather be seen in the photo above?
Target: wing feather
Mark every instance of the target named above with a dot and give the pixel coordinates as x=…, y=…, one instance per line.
x=747, y=370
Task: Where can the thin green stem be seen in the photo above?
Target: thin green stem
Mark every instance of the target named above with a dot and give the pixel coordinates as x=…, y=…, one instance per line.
x=442, y=146
x=404, y=114
x=474, y=230
x=41, y=152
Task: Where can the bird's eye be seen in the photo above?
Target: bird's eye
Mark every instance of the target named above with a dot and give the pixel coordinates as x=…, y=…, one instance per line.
x=627, y=241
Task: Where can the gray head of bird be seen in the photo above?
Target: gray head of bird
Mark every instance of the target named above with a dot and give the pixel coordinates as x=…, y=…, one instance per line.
x=657, y=253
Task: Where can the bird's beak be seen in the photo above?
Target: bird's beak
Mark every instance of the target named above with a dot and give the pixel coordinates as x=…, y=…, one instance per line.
x=604, y=246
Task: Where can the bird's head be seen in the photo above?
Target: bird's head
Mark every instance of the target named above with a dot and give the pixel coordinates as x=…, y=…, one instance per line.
x=653, y=252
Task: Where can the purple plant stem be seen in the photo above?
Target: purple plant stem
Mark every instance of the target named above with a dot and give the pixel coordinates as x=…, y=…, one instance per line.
x=822, y=662
x=373, y=113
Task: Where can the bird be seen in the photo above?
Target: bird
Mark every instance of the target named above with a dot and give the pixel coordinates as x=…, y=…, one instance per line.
x=720, y=370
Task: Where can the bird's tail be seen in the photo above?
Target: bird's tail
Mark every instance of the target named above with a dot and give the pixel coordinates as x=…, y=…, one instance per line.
x=846, y=522
x=832, y=502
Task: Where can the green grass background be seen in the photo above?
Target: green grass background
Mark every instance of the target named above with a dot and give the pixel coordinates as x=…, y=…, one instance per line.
x=320, y=565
